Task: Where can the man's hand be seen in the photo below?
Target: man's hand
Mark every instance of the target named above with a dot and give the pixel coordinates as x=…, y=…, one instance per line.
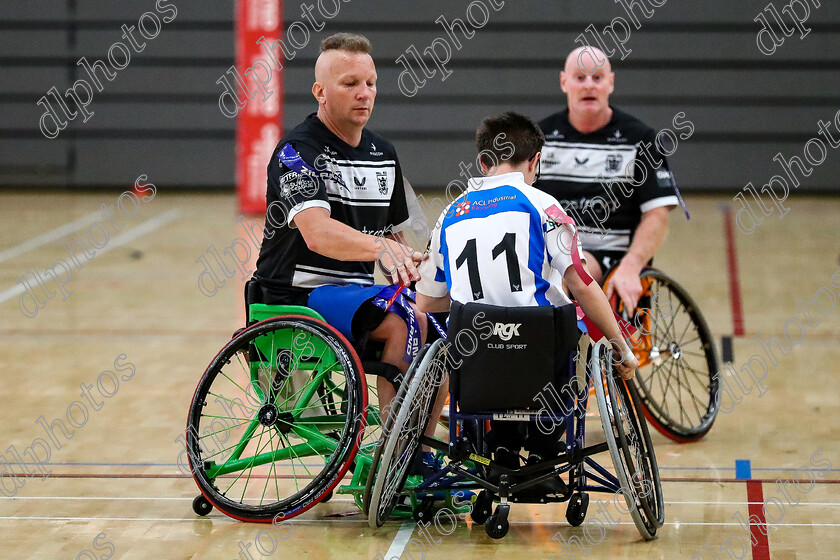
x=400, y=262
x=626, y=283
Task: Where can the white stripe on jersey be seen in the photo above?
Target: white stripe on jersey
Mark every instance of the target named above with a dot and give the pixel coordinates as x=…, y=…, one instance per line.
x=584, y=163
x=363, y=163
x=364, y=202
x=600, y=242
x=314, y=277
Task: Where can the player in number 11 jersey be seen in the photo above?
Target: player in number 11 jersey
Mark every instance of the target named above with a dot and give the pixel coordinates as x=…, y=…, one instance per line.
x=496, y=244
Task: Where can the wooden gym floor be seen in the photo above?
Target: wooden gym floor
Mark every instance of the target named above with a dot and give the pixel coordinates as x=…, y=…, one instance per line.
x=114, y=489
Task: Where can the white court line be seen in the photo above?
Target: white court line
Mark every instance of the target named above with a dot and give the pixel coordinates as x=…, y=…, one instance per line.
x=47, y=237
x=121, y=239
x=351, y=500
x=400, y=540
x=295, y=521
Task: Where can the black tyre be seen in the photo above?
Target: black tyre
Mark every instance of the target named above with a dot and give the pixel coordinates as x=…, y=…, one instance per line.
x=678, y=379
x=276, y=419
x=497, y=525
x=424, y=510
x=201, y=506
x=628, y=440
x=576, y=510
x=483, y=507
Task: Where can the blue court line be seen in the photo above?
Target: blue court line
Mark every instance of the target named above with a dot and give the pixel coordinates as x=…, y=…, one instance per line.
x=743, y=469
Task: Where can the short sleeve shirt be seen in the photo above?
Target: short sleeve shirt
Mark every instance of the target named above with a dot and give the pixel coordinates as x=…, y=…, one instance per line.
x=605, y=179
x=495, y=244
x=361, y=186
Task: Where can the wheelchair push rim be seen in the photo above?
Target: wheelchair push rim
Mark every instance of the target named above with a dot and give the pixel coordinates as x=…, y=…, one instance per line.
x=276, y=419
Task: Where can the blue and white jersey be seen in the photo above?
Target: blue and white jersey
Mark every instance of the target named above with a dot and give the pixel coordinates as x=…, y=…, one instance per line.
x=496, y=245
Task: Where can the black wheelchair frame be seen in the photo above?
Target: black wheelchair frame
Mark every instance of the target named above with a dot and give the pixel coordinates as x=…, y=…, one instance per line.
x=472, y=465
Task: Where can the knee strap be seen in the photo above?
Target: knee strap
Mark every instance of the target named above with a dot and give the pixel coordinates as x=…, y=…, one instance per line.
x=390, y=372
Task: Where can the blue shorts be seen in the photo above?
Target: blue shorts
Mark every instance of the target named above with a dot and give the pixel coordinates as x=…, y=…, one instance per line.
x=339, y=306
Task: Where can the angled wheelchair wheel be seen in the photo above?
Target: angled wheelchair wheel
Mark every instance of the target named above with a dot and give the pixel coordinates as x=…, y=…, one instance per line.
x=678, y=374
x=386, y=428
x=276, y=419
x=402, y=442
x=629, y=444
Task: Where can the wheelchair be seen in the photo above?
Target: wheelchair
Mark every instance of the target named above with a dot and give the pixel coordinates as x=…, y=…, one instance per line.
x=278, y=417
x=503, y=364
x=678, y=377
x=282, y=415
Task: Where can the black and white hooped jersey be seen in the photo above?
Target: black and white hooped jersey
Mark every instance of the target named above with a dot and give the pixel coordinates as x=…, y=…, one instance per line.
x=605, y=180
x=495, y=244
x=361, y=186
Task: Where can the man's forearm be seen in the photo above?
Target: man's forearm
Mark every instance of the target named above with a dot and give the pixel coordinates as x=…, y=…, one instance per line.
x=339, y=241
x=336, y=240
x=649, y=237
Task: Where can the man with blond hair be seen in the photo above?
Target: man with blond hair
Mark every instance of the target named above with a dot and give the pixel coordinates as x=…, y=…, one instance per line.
x=607, y=170
x=336, y=204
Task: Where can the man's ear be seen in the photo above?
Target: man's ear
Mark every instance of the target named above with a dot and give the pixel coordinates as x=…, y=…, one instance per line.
x=563, y=82
x=318, y=92
x=612, y=82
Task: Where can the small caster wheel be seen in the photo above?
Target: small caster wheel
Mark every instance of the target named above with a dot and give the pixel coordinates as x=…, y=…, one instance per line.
x=576, y=510
x=423, y=512
x=497, y=524
x=483, y=507
x=201, y=506
x=327, y=497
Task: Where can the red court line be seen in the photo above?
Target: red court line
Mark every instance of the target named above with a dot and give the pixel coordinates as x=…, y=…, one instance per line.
x=732, y=269
x=755, y=503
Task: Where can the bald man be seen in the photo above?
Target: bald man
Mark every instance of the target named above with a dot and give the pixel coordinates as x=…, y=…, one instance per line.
x=604, y=167
x=336, y=204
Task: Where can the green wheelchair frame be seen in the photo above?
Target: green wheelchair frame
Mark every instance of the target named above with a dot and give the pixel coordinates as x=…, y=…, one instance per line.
x=324, y=419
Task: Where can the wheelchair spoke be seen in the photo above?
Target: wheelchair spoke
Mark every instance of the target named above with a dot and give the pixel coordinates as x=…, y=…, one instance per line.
x=272, y=469
x=231, y=401
x=699, y=405
x=244, y=420
x=302, y=463
x=271, y=466
x=236, y=479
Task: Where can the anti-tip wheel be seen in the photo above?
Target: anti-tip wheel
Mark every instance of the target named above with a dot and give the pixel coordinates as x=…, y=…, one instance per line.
x=201, y=506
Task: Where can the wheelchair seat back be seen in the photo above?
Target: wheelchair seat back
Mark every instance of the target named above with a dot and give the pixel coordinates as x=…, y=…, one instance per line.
x=506, y=355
